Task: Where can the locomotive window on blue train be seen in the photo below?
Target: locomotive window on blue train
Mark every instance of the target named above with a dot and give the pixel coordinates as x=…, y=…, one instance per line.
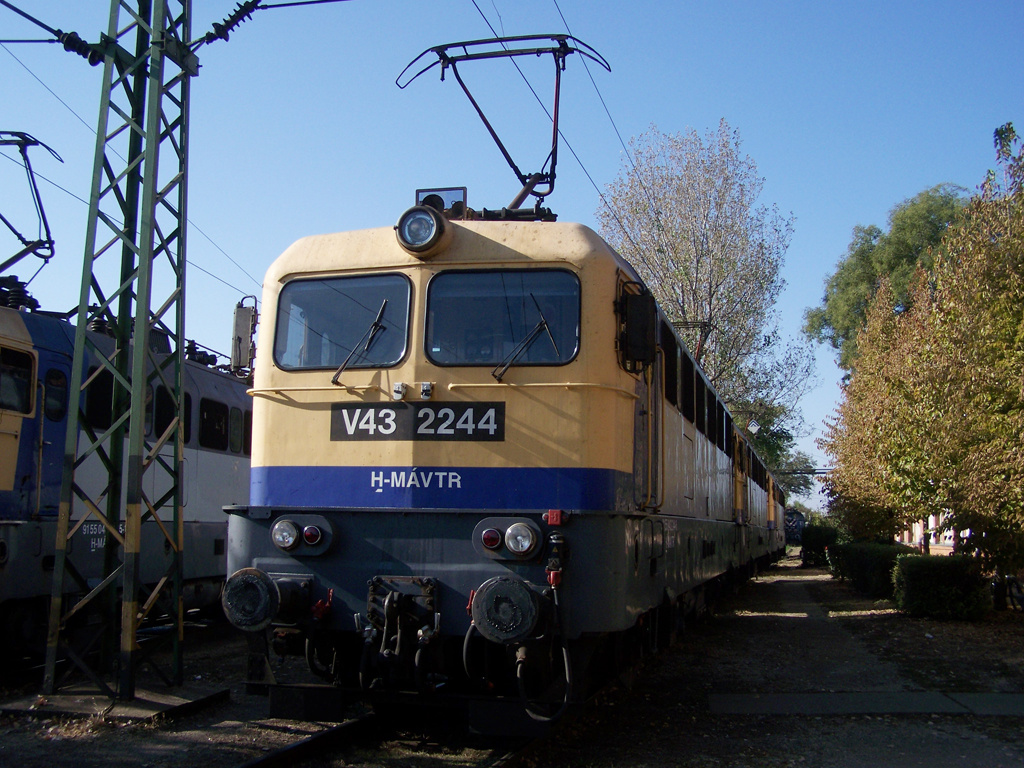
x=16, y=377
x=323, y=323
x=213, y=424
x=235, y=430
x=480, y=317
x=164, y=412
x=56, y=405
x=98, y=399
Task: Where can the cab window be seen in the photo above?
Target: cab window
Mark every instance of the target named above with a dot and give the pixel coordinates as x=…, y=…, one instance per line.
x=361, y=322
x=16, y=377
x=521, y=317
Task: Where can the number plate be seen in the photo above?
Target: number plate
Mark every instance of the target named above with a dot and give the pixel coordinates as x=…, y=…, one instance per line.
x=483, y=422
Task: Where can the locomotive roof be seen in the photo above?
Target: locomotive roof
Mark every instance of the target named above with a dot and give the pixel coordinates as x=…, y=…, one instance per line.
x=474, y=243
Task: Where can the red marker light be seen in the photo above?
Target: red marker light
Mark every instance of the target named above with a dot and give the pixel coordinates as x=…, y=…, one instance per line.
x=491, y=538
x=312, y=535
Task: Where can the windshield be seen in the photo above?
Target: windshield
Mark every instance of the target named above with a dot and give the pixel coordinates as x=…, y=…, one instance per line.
x=480, y=318
x=329, y=322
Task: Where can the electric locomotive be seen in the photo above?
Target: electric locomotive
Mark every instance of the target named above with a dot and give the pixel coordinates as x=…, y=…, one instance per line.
x=36, y=355
x=483, y=462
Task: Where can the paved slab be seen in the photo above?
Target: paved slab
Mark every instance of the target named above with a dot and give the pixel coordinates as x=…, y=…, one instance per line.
x=778, y=679
x=84, y=701
x=868, y=703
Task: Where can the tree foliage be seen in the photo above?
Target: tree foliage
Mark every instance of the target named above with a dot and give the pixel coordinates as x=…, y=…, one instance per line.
x=981, y=288
x=685, y=214
x=916, y=227
x=794, y=469
x=933, y=416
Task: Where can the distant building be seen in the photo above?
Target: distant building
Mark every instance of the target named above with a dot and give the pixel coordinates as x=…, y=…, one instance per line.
x=938, y=536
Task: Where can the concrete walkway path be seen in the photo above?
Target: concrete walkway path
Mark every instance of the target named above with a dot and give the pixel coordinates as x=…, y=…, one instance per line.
x=848, y=679
x=778, y=680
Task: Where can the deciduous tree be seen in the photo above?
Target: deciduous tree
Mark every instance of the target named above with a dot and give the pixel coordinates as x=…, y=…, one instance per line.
x=981, y=298
x=933, y=415
x=685, y=213
x=857, y=437
x=916, y=227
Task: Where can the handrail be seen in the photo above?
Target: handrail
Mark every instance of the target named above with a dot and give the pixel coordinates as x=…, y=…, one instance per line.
x=335, y=388
x=549, y=385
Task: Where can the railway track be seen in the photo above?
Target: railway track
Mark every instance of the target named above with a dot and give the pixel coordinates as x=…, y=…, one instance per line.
x=317, y=744
x=369, y=736
x=236, y=729
x=233, y=731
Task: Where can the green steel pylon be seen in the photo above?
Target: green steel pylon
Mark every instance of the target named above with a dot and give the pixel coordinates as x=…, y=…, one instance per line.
x=133, y=284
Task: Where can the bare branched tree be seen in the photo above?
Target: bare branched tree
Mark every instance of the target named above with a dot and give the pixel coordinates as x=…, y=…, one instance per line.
x=684, y=212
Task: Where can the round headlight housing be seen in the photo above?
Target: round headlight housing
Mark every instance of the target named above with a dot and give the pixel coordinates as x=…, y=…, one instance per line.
x=285, y=534
x=520, y=539
x=421, y=230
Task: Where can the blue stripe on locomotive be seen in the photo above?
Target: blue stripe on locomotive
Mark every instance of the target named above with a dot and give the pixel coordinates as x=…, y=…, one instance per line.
x=441, y=487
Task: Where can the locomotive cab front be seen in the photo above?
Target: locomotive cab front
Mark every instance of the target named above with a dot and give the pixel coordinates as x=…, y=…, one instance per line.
x=439, y=403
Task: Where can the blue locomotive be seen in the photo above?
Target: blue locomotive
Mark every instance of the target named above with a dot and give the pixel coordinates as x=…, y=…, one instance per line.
x=36, y=354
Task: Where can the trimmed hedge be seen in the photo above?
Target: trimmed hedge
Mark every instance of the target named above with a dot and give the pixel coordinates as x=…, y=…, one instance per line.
x=819, y=534
x=942, y=587
x=868, y=566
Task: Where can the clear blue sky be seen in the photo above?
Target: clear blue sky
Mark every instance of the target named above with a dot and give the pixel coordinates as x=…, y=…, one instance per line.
x=847, y=108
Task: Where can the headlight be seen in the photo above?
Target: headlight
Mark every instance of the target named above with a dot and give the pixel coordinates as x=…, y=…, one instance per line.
x=420, y=230
x=520, y=539
x=285, y=534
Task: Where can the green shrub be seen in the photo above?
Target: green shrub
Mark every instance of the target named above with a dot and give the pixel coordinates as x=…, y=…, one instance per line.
x=819, y=534
x=869, y=566
x=941, y=587
x=835, y=556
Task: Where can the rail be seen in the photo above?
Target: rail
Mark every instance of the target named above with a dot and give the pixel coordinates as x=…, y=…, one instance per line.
x=315, y=745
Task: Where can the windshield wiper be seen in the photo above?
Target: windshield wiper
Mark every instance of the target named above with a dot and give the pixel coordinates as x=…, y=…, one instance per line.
x=522, y=346
x=368, y=337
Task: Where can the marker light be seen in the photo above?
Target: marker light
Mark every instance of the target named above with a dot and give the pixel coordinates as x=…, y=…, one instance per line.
x=421, y=230
x=520, y=539
x=491, y=538
x=285, y=534
x=312, y=535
